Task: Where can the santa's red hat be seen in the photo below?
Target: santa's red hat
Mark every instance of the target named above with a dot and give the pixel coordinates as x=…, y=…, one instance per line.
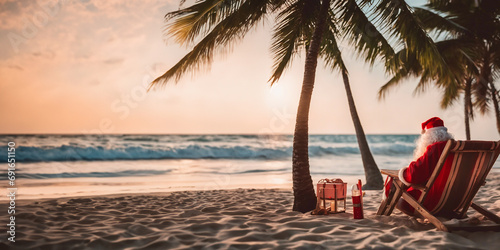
x=433, y=123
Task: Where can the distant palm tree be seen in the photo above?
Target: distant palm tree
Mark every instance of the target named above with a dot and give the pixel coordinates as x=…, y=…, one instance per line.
x=299, y=24
x=471, y=45
x=352, y=25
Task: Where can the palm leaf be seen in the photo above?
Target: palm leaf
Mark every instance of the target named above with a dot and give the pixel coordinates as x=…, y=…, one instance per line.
x=405, y=66
x=294, y=27
x=451, y=94
x=495, y=58
x=480, y=87
x=229, y=30
x=458, y=7
x=398, y=17
x=330, y=51
x=366, y=39
x=435, y=22
x=198, y=19
x=391, y=84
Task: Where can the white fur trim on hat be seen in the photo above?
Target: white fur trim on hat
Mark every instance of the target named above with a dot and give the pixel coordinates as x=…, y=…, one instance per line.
x=436, y=128
x=401, y=176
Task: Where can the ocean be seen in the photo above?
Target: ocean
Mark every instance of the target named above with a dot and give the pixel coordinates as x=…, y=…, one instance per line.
x=83, y=164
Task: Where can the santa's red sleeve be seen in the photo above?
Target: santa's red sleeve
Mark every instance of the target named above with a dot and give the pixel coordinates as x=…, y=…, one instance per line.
x=419, y=171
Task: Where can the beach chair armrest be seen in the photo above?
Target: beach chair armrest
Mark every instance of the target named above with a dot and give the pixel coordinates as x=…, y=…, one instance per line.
x=419, y=187
x=391, y=173
x=395, y=174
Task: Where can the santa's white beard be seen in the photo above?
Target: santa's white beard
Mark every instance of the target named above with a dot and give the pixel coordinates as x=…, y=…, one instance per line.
x=430, y=136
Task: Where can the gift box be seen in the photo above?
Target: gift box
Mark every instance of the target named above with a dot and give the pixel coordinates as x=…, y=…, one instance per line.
x=332, y=195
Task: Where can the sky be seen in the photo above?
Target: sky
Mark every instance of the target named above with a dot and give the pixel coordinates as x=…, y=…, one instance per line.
x=77, y=66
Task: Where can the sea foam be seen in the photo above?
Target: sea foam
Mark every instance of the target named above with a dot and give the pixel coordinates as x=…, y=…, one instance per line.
x=127, y=147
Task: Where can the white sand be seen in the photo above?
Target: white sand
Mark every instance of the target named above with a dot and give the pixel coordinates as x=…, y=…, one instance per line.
x=234, y=219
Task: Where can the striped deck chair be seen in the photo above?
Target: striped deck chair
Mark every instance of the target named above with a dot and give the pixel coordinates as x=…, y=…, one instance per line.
x=472, y=161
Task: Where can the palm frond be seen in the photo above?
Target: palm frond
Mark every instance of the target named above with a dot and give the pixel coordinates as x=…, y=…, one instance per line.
x=456, y=54
x=330, y=51
x=495, y=57
x=481, y=87
x=294, y=27
x=434, y=22
x=367, y=40
x=396, y=80
x=451, y=94
x=460, y=55
x=398, y=17
x=457, y=7
x=219, y=39
x=198, y=19
x=426, y=78
x=404, y=66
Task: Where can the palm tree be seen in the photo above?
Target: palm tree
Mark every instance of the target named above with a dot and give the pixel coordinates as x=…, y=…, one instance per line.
x=495, y=99
x=221, y=23
x=351, y=19
x=305, y=198
x=299, y=24
x=374, y=180
x=470, y=49
x=293, y=32
x=356, y=26
x=460, y=80
x=351, y=23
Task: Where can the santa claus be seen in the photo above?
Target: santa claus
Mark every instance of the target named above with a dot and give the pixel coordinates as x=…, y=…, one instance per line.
x=430, y=145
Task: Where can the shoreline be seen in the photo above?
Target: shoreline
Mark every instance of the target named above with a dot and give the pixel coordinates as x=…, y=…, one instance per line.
x=35, y=189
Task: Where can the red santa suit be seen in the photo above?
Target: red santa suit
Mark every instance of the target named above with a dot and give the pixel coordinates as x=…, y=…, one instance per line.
x=420, y=170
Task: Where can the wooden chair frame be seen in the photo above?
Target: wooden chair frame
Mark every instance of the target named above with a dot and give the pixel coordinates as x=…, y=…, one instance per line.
x=484, y=160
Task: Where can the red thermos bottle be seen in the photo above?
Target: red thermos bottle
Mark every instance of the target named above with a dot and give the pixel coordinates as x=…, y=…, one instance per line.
x=357, y=202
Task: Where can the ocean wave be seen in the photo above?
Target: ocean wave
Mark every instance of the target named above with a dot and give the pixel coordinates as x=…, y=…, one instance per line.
x=99, y=153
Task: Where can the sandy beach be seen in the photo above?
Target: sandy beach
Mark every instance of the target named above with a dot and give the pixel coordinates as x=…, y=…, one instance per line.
x=229, y=219
x=187, y=124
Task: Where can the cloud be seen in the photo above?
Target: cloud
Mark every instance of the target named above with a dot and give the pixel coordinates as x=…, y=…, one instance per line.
x=91, y=7
x=10, y=7
x=47, y=54
x=114, y=61
x=17, y=67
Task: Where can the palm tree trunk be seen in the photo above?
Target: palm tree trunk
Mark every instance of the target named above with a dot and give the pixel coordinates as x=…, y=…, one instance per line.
x=303, y=190
x=374, y=180
x=467, y=107
x=494, y=98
